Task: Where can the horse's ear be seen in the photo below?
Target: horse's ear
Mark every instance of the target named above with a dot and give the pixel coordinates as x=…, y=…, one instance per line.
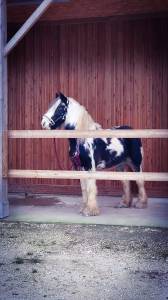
x=63, y=98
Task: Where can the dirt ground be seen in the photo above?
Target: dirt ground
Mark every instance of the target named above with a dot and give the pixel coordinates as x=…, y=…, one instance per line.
x=92, y=262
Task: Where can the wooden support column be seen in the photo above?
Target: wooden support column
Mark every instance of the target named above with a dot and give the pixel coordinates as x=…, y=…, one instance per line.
x=4, y=205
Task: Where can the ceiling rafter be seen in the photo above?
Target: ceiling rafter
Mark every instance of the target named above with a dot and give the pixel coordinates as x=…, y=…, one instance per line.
x=27, y=25
x=30, y=2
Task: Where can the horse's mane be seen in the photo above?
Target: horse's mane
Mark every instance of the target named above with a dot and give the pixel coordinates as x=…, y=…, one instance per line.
x=85, y=121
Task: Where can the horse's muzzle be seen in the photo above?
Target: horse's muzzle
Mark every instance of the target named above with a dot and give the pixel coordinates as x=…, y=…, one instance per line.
x=45, y=124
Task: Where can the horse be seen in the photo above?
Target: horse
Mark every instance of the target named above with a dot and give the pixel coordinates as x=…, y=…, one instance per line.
x=92, y=154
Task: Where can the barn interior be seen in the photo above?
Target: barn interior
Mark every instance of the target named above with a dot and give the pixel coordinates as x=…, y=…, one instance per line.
x=112, y=57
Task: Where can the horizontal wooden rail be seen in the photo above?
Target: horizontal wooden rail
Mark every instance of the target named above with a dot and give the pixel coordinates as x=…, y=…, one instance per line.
x=100, y=175
x=136, y=133
x=56, y=174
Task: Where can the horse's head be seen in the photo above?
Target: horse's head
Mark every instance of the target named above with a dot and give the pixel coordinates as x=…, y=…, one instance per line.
x=56, y=114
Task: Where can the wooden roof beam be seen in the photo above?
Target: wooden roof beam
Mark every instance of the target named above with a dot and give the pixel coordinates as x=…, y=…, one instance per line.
x=29, y=2
x=27, y=26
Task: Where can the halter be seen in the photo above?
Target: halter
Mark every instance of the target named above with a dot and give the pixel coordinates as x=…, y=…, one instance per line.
x=49, y=119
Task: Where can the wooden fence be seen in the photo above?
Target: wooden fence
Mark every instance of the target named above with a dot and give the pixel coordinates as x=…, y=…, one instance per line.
x=146, y=176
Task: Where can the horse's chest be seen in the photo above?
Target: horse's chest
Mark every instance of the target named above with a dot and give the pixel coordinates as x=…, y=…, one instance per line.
x=86, y=155
x=81, y=153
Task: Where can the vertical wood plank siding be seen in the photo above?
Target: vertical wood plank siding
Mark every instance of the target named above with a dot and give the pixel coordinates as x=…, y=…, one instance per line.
x=117, y=69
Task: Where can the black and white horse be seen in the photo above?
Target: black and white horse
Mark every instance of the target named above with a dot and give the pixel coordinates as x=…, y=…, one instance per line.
x=95, y=153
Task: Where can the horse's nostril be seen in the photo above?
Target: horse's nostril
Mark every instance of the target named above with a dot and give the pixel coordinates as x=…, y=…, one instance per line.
x=43, y=123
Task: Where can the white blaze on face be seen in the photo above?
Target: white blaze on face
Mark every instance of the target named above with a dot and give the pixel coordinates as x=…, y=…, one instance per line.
x=45, y=123
x=116, y=146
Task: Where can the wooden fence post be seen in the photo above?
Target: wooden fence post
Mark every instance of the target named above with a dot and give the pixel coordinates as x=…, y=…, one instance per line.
x=4, y=205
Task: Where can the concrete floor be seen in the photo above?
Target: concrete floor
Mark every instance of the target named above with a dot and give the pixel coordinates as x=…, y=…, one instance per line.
x=65, y=209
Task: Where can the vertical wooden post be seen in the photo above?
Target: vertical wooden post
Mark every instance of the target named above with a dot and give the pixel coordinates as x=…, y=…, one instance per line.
x=4, y=205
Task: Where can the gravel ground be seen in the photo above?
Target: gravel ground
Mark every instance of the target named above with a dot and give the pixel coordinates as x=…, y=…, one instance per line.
x=56, y=261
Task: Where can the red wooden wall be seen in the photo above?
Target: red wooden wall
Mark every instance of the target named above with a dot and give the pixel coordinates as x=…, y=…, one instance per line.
x=117, y=69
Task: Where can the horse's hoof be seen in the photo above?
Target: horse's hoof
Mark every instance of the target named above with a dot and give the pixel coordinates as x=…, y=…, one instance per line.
x=122, y=205
x=82, y=209
x=140, y=204
x=90, y=211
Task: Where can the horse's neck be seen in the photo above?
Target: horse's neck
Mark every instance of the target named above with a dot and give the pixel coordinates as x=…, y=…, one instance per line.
x=81, y=121
x=78, y=117
x=85, y=121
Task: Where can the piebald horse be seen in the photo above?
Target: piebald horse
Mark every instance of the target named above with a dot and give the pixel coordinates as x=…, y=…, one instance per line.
x=96, y=153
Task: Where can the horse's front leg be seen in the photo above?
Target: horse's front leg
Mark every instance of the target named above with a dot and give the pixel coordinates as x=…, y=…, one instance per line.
x=91, y=208
x=84, y=194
